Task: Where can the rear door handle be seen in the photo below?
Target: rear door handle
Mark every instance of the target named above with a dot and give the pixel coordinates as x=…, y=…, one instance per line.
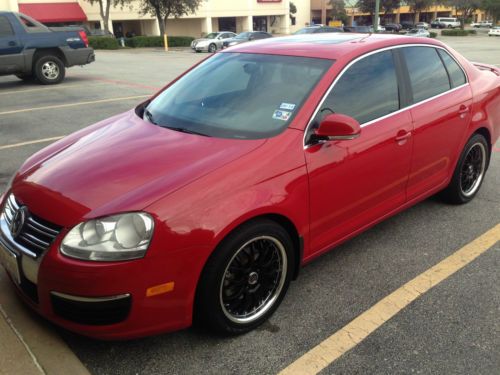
x=12, y=43
x=463, y=109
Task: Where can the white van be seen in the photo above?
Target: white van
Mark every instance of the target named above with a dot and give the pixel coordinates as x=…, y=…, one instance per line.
x=448, y=22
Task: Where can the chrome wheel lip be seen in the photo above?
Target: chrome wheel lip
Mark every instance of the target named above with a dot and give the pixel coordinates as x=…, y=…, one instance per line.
x=475, y=185
x=50, y=70
x=261, y=310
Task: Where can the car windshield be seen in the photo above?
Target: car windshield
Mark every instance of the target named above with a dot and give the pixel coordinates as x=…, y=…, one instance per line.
x=212, y=35
x=243, y=35
x=238, y=95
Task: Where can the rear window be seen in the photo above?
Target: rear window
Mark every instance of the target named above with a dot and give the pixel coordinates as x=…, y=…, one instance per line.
x=5, y=27
x=456, y=74
x=428, y=76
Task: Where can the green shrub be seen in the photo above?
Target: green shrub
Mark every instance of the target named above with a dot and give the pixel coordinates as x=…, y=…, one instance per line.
x=474, y=32
x=433, y=34
x=157, y=41
x=103, y=42
x=454, y=32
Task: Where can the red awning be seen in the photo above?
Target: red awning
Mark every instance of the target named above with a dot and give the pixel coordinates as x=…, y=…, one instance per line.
x=53, y=12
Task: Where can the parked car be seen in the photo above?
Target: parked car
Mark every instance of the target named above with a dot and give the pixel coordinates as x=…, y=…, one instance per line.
x=407, y=25
x=422, y=25
x=394, y=27
x=380, y=28
x=482, y=24
x=445, y=22
x=495, y=31
x=319, y=29
x=246, y=36
x=31, y=50
x=358, y=29
x=212, y=42
x=204, y=201
x=418, y=33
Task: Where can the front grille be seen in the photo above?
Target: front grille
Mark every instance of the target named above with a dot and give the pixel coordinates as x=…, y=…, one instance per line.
x=36, y=235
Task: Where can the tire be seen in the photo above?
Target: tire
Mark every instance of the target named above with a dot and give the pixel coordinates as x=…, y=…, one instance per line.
x=212, y=48
x=49, y=70
x=25, y=77
x=469, y=172
x=250, y=270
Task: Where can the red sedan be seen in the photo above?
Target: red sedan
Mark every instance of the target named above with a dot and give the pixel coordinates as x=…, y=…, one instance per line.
x=202, y=203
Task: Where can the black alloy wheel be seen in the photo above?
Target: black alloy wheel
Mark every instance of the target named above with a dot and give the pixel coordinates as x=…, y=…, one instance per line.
x=469, y=172
x=245, y=279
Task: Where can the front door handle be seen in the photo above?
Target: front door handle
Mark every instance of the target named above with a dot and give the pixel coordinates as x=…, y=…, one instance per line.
x=12, y=43
x=402, y=136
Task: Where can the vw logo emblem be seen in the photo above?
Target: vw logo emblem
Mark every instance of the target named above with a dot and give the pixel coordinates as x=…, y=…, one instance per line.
x=17, y=223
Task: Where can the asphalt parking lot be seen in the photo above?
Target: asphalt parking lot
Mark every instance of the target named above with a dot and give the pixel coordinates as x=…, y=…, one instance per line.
x=453, y=328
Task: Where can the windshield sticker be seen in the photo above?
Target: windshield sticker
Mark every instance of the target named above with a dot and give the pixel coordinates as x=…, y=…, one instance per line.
x=281, y=115
x=287, y=106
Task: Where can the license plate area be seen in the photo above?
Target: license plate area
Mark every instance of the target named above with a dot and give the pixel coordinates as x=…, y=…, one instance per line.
x=10, y=262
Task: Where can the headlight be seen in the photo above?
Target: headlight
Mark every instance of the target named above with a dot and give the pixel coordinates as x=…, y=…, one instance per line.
x=118, y=237
x=232, y=43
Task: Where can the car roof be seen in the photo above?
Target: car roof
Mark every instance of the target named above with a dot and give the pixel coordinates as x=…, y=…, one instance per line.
x=329, y=45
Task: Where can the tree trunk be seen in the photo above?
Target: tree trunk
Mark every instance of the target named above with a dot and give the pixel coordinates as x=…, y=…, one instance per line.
x=103, y=16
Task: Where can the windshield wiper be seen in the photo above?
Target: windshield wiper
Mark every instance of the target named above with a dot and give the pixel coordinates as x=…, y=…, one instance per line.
x=184, y=130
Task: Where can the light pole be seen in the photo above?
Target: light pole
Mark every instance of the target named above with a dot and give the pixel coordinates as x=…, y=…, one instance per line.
x=375, y=21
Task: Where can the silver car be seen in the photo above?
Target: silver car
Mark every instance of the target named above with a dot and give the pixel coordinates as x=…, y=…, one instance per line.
x=212, y=42
x=419, y=32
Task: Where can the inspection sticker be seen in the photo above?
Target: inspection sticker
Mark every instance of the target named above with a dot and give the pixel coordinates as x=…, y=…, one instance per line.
x=281, y=115
x=287, y=106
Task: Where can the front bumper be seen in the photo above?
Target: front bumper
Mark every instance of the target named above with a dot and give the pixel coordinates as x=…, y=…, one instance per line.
x=109, y=300
x=200, y=49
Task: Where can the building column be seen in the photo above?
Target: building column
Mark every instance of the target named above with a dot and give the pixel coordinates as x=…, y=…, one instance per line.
x=323, y=12
x=247, y=24
x=206, y=25
x=351, y=20
x=417, y=17
x=398, y=17
x=13, y=6
x=434, y=15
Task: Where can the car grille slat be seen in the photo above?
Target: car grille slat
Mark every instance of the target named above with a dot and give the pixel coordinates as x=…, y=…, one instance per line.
x=36, y=234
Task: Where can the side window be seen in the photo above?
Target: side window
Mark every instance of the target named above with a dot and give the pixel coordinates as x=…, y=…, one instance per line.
x=457, y=76
x=5, y=27
x=428, y=76
x=366, y=91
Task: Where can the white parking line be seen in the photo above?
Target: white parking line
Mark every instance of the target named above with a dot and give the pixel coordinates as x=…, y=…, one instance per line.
x=60, y=87
x=73, y=104
x=43, y=140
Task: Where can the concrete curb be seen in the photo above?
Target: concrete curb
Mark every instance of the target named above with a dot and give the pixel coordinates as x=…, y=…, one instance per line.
x=28, y=344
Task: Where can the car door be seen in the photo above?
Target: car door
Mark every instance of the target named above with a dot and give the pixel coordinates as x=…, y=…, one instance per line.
x=11, y=57
x=441, y=113
x=355, y=182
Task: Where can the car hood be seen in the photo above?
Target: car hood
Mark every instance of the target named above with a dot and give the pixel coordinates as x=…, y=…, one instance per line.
x=202, y=40
x=125, y=165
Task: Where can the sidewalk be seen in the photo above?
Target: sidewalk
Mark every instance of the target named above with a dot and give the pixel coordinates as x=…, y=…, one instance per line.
x=28, y=344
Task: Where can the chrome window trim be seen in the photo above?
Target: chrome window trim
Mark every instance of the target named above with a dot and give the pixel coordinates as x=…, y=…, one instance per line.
x=311, y=119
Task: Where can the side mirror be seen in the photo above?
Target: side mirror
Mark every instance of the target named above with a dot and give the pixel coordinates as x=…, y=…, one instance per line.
x=336, y=127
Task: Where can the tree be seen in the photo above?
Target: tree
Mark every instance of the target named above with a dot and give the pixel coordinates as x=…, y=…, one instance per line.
x=417, y=6
x=386, y=6
x=338, y=11
x=163, y=9
x=492, y=7
x=104, y=7
x=466, y=8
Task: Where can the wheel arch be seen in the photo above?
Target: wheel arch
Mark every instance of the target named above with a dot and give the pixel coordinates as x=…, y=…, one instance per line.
x=53, y=51
x=486, y=134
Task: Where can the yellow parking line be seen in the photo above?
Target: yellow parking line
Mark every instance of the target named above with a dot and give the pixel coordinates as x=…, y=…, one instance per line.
x=361, y=327
x=43, y=140
x=73, y=104
x=58, y=87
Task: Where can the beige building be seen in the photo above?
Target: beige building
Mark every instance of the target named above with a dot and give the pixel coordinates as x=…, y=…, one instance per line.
x=213, y=15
